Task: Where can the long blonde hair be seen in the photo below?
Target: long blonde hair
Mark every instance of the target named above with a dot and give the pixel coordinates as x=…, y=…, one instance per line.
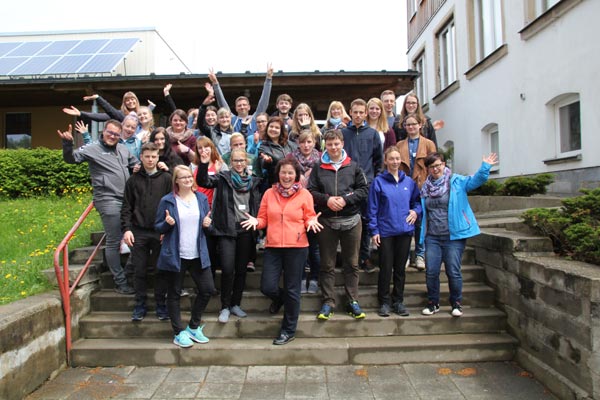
x=381, y=124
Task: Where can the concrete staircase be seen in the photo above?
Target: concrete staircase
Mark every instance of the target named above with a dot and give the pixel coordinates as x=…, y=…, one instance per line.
x=109, y=338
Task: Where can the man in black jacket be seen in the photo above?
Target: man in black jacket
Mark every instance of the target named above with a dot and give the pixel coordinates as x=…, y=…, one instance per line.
x=143, y=192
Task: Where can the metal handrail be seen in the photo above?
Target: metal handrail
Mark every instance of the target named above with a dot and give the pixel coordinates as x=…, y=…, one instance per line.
x=62, y=277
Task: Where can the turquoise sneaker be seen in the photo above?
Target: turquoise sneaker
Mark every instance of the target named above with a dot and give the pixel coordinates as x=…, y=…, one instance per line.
x=183, y=340
x=196, y=334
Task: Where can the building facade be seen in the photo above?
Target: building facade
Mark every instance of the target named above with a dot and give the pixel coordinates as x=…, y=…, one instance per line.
x=515, y=78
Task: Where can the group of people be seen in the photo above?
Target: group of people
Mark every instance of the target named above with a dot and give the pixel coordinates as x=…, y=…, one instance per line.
x=199, y=195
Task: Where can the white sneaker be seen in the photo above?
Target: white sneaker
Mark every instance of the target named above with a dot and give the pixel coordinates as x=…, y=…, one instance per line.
x=313, y=287
x=430, y=309
x=238, y=312
x=224, y=315
x=420, y=263
x=457, y=310
x=303, y=286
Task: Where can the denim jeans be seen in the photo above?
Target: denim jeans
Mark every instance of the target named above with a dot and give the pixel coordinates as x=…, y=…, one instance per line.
x=419, y=247
x=110, y=213
x=289, y=261
x=441, y=249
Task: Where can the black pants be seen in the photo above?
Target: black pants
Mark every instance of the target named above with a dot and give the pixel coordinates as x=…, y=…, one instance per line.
x=393, y=253
x=234, y=254
x=204, y=284
x=144, y=253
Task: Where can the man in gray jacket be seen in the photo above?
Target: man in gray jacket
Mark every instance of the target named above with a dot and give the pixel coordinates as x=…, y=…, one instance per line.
x=109, y=163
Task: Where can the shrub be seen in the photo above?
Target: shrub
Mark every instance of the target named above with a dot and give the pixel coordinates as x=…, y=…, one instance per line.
x=40, y=171
x=574, y=228
x=489, y=188
x=526, y=186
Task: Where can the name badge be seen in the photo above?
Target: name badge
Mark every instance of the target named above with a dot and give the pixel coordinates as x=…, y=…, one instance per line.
x=242, y=207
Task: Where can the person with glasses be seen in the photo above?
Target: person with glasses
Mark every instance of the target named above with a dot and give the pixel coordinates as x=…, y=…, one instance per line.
x=411, y=105
x=413, y=151
x=181, y=218
x=236, y=195
x=448, y=221
x=110, y=163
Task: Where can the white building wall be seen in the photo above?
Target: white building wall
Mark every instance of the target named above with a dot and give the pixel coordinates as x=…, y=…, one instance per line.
x=564, y=57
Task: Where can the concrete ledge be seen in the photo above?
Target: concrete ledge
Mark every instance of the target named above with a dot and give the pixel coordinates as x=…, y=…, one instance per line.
x=499, y=239
x=496, y=203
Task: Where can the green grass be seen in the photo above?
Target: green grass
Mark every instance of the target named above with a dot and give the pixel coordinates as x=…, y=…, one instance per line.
x=30, y=231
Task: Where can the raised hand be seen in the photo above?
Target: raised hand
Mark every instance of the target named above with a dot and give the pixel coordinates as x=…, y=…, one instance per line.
x=168, y=219
x=491, y=159
x=304, y=121
x=66, y=135
x=81, y=127
x=167, y=89
x=207, y=220
x=205, y=155
x=72, y=111
x=92, y=97
x=270, y=70
x=183, y=149
x=212, y=77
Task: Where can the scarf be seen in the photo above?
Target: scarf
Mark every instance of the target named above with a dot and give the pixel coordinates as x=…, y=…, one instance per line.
x=289, y=192
x=437, y=187
x=241, y=183
x=306, y=162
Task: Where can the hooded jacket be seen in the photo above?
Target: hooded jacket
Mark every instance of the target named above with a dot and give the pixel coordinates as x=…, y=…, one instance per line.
x=109, y=166
x=389, y=205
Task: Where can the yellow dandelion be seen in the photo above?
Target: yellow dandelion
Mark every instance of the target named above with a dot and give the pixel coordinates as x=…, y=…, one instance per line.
x=23, y=293
x=7, y=276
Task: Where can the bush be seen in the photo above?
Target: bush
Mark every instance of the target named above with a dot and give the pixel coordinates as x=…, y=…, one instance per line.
x=574, y=228
x=526, y=186
x=41, y=171
x=489, y=188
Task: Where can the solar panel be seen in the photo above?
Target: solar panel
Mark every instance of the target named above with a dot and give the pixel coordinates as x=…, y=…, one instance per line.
x=59, y=48
x=7, y=47
x=119, y=46
x=28, y=49
x=8, y=64
x=35, y=65
x=63, y=56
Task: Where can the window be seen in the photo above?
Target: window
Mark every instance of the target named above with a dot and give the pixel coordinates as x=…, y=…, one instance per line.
x=421, y=83
x=487, y=28
x=541, y=6
x=568, y=125
x=447, y=55
x=491, y=142
x=412, y=8
x=18, y=130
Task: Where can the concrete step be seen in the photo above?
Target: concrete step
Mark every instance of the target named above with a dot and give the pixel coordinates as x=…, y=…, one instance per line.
x=91, y=276
x=467, y=347
x=106, y=325
x=470, y=273
x=415, y=295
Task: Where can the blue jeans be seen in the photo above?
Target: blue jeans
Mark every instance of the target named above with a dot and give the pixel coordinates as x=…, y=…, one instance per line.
x=441, y=249
x=110, y=213
x=419, y=247
x=289, y=261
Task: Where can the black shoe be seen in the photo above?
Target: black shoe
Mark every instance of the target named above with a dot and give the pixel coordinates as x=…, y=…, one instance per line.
x=125, y=289
x=367, y=266
x=139, y=312
x=275, y=307
x=282, y=339
x=400, y=309
x=161, y=313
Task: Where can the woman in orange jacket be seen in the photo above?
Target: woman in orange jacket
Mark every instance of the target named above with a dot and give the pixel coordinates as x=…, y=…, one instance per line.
x=288, y=211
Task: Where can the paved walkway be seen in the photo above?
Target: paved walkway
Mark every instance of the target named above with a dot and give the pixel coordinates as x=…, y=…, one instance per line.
x=492, y=380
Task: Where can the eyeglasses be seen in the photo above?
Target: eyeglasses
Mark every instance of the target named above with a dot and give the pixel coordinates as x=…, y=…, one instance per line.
x=436, y=166
x=185, y=177
x=241, y=161
x=113, y=134
x=415, y=124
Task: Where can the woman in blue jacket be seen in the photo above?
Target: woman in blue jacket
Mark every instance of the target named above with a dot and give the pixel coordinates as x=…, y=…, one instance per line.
x=393, y=208
x=181, y=217
x=447, y=223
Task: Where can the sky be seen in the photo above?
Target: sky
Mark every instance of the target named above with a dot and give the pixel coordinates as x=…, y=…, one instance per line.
x=235, y=36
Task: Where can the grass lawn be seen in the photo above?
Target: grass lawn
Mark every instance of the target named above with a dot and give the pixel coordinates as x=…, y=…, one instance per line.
x=30, y=230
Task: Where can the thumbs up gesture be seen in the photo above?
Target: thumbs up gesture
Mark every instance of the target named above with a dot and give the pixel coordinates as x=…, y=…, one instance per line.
x=168, y=219
x=207, y=220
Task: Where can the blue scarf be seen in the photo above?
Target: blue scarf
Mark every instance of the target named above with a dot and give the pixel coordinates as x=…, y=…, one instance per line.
x=241, y=183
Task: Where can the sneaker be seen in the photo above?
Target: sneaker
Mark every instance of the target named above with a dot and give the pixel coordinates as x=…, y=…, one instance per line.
x=250, y=267
x=400, y=309
x=238, y=312
x=183, y=339
x=125, y=289
x=313, y=287
x=161, y=312
x=224, y=315
x=420, y=263
x=384, y=310
x=139, y=312
x=457, y=310
x=275, y=306
x=261, y=244
x=354, y=310
x=184, y=293
x=325, y=313
x=303, y=287
x=367, y=266
x=430, y=309
x=282, y=339
x=196, y=334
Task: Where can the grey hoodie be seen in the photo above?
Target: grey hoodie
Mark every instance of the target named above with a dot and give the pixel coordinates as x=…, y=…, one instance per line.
x=109, y=167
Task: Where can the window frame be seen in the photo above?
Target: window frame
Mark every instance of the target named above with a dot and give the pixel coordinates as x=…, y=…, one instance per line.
x=7, y=126
x=446, y=54
x=562, y=103
x=490, y=131
x=421, y=81
x=487, y=29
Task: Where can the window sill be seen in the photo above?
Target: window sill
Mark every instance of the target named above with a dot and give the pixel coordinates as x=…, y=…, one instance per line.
x=487, y=62
x=547, y=18
x=564, y=159
x=447, y=91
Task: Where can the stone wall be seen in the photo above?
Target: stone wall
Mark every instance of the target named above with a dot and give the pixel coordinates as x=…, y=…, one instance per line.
x=553, y=309
x=32, y=340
